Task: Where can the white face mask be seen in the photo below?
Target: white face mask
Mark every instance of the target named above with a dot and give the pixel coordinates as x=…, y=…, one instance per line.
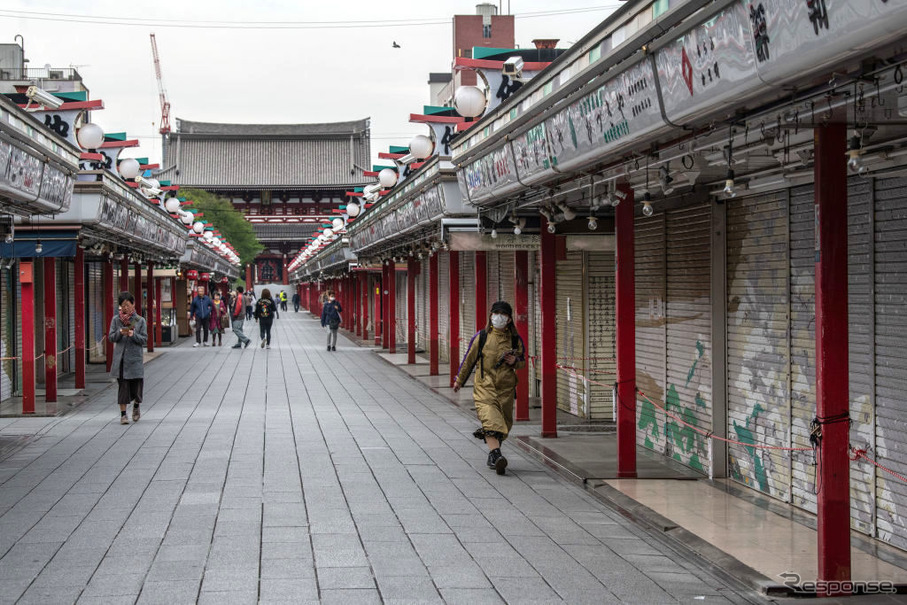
x=499, y=321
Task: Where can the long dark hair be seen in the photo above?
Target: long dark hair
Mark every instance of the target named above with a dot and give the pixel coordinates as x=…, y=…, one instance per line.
x=266, y=294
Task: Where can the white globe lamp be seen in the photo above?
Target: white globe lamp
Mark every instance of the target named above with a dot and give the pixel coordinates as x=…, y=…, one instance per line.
x=172, y=205
x=421, y=147
x=90, y=136
x=352, y=209
x=337, y=224
x=186, y=218
x=387, y=177
x=198, y=226
x=469, y=101
x=328, y=233
x=129, y=168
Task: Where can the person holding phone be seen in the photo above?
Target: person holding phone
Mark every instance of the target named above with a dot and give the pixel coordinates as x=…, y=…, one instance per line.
x=129, y=333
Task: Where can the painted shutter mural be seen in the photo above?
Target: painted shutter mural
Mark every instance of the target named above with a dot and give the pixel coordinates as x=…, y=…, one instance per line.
x=571, y=389
x=650, y=269
x=444, y=307
x=758, y=355
x=688, y=333
x=601, y=366
x=891, y=357
x=467, y=300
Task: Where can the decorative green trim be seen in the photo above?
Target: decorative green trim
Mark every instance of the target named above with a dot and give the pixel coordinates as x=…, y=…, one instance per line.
x=79, y=95
x=377, y=168
x=114, y=136
x=482, y=52
x=399, y=149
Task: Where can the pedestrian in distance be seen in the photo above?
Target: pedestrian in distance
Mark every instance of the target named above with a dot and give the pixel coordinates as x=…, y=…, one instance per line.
x=238, y=315
x=265, y=312
x=200, y=312
x=330, y=319
x=249, y=301
x=283, y=300
x=498, y=351
x=296, y=302
x=219, y=321
x=129, y=333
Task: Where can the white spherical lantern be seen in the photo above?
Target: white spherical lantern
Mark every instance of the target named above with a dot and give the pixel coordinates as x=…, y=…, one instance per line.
x=209, y=235
x=328, y=233
x=198, y=226
x=352, y=209
x=90, y=136
x=186, y=218
x=469, y=101
x=129, y=168
x=421, y=147
x=337, y=224
x=172, y=205
x=387, y=177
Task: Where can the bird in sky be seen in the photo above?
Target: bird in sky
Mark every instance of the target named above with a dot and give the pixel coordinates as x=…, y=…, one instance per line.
x=396, y=45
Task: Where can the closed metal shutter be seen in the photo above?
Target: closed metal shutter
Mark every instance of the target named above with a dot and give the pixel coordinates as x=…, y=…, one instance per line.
x=571, y=335
x=9, y=336
x=95, y=308
x=535, y=312
x=444, y=307
x=891, y=356
x=650, y=270
x=422, y=307
x=401, y=309
x=601, y=366
x=467, y=300
x=507, y=289
x=758, y=350
x=493, y=284
x=802, y=342
x=689, y=333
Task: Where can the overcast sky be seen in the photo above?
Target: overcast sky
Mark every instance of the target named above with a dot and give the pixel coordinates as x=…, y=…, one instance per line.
x=261, y=74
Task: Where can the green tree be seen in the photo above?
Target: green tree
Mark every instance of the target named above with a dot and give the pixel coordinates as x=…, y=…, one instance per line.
x=221, y=214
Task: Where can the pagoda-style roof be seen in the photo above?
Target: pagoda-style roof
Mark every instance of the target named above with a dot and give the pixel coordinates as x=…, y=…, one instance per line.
x=216, y=156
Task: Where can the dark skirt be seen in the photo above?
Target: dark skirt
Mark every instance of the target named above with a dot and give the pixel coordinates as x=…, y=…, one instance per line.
x=130, y=389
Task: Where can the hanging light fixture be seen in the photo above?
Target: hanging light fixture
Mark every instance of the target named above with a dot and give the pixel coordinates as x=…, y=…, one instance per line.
x=593, y=223
x=647, y=209
x=729, y=185
x=855, y=153
x=494, y=233
x=39, y=248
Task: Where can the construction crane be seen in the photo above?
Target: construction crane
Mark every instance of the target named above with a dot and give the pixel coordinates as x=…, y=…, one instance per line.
x=165, y=104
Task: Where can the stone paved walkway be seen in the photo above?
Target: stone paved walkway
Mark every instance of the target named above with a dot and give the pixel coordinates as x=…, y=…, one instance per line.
x=295, y=475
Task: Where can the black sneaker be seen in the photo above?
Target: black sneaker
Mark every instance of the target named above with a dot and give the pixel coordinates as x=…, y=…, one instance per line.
x=491, y=459
x=236, y=346
x=333, y=348
x=248, y=342
x=479, y=434
x=497, y=461
x=329, y=348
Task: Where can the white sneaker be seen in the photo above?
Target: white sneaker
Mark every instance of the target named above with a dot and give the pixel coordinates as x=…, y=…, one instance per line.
x=205, y=344
x=195, y=345
x=263, y=343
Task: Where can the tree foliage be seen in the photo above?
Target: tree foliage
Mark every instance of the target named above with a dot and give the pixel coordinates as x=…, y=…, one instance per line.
x=221, y=214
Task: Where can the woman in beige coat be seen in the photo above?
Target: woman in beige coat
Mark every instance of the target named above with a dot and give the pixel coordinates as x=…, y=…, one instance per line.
x=498, y=351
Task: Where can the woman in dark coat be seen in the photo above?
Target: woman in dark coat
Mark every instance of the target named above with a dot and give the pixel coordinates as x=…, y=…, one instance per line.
x=129, y=334
x=265, y=312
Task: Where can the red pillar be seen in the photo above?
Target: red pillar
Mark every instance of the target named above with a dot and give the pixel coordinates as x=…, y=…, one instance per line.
x=124, y=274
x=286, y=272
x=26, y=279
x=363, y=300
x=152, y=303
x=454, y=295
x=411, y=269
x=379, y=288
x=50, y=329
x=109, y=298
x=625, y=310
x=521, y=320
x=356, y=283
x=385, y=342
x=481, y=291
x=832, y=384
x=79, y=309
x=391, y=307
x=249, y=284
x=548, y=301
x=433, y=344
x=158, y=327
x=138, y=288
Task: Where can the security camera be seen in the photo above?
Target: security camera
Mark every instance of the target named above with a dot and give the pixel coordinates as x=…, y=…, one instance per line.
x=42, y=97
x=152, y=192
x=513, y=68
x=407, y=159
x=371, y=189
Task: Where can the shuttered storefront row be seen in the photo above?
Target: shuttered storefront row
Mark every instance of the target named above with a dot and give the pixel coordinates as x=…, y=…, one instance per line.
x=571, y=388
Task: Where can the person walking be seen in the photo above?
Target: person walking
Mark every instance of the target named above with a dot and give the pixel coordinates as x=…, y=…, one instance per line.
x=249, y=301
x=265, y=311
x=283, y=300
x=330, y=318
x=220, y=319
x=200, y=312
x=498, y=350
x=237, y=315
x=129, y=333
x=296, y=302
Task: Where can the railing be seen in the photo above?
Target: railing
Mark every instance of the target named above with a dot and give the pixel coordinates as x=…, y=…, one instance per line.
x=39, y=73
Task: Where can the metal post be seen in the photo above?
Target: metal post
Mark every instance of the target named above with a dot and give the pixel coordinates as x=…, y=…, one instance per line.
x=832, y=383
x=150, y=320
x=79, y=309
x=454, y=295
x=391, y=307
x=625, y=310
x=27, y=285
x=50, y=329
x=433, y=344
x=108, y=306
x=521, y=320
x=548, y=302
x=411, y=268
x=481, y=290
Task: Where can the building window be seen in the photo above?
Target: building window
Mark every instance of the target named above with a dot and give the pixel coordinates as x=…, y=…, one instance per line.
x=486, y=31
